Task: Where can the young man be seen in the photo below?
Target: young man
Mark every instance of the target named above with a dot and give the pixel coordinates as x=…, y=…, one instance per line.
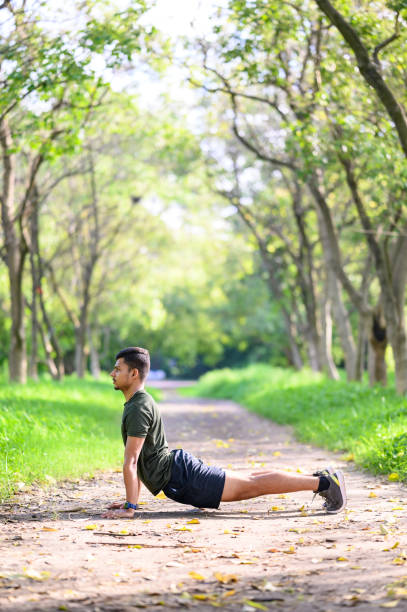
x=181, y=476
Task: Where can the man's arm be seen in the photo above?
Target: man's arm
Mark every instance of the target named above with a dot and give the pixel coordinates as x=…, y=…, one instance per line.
x=131, y=480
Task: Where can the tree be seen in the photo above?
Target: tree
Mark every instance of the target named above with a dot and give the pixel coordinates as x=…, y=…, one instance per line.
x=49, y=89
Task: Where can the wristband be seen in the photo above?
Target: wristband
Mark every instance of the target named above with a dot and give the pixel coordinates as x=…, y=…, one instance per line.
x=128, y=505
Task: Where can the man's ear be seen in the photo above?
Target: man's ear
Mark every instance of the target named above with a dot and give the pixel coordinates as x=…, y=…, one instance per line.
x=134, y=372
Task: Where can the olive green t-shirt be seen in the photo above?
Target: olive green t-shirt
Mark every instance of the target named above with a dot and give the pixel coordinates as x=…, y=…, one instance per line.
x=142, y=419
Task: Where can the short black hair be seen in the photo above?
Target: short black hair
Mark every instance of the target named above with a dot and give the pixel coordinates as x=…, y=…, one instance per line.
x=136, y=357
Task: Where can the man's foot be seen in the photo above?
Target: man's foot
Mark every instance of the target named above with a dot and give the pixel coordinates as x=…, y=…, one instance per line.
x=335, y=494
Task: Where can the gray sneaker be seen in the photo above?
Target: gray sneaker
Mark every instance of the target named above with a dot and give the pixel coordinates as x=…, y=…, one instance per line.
x=335, y=495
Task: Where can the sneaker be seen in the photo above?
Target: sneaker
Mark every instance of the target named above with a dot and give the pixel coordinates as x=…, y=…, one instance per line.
x=335, y=495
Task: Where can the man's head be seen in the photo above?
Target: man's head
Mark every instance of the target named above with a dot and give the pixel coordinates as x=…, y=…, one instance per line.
x=132, y=366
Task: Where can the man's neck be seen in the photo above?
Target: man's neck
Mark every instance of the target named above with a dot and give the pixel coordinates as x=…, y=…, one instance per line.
x=132, y=390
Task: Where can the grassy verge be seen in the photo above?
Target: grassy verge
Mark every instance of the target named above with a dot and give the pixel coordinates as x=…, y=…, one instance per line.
x=368, y=424
x=52, y=430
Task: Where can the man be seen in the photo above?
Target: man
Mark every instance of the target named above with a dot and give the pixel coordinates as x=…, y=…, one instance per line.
x=181, y=476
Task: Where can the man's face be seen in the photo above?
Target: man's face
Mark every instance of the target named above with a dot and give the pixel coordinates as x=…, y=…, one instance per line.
x=122, y=375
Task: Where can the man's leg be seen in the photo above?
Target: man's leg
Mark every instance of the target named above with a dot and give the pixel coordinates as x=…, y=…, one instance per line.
x=240, y=486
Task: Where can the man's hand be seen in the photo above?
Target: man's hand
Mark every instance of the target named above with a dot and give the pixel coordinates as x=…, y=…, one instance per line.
x=121, y=513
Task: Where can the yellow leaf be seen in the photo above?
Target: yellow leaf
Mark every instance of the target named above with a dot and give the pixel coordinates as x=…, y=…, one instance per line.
x=225, y=578
x=91, y=527
x=342, y=559
x=394, y=545
x=134, y=546
x=147, y=521
x=124, y=532
x=299, y=470
x=398, y=508
x=372, y=494
x=49, y=529
x=290, y=551
x=355, y=567
x=226, y=531
x=277, y=508
x=282, y=496
x=228, y=593
x=231, y=439
x=399, y=561
x=349, y=457
x=393, y=476
x=277, y=454
x=194, y=521
x=196, y=550
x=390, y=604
x=169, y=525
x=254, y=604
x=161, y=495
x=34, y=575
x=196, y=576
x=183, y=528
x=200, y=597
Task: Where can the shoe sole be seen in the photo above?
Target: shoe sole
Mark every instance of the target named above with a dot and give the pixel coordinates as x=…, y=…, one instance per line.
x=342, y=487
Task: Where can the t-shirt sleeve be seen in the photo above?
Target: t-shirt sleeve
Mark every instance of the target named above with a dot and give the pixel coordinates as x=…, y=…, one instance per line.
x=138, y=421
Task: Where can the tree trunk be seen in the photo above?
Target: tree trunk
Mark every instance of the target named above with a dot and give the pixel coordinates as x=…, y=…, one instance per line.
x=33, y=366
x=294, y=352
x=377, y=352
x=329, y=365
x=338, y=308
x=18, y=349
x=52, y=368
x=94, y=355
x=15, y=258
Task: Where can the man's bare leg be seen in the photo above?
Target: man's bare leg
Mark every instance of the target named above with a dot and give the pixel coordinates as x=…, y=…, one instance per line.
x=240, y=486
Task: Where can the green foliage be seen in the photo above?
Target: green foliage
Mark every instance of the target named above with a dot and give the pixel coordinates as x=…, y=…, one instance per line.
x=58, y=430
x=368, y=423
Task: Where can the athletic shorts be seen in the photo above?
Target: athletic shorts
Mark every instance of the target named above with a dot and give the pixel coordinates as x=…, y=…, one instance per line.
x=192, y=482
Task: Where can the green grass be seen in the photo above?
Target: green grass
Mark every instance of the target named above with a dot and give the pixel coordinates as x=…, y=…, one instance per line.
x=51, y=430
x=368, y=424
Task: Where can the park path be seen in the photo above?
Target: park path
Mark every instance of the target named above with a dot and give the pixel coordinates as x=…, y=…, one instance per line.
x=57, y=553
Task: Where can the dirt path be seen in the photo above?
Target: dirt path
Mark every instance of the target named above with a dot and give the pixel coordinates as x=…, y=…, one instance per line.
x=270, y=553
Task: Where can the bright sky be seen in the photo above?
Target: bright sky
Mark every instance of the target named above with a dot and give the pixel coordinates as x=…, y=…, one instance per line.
x=181, y=17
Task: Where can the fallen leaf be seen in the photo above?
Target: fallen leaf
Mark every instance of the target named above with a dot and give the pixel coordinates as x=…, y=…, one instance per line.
x=277, y=454
x=390, y=604
x=372, y=494
x=277, y=508
x=194, y=521
x=228, y=593
x=196, y=576
x=254, y=604
x=49, y=529
x=393, y=477
x=289, y=551
x=161, y=495
x=399, y=560
x=90, y=527
x=342, y=559
x=225, y=578
x=183, y=528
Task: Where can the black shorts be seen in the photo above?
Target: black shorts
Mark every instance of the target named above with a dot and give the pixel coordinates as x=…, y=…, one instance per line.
x=192, y=482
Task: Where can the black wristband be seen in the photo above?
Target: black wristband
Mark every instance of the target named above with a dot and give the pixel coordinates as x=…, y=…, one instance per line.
x=128, y=505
